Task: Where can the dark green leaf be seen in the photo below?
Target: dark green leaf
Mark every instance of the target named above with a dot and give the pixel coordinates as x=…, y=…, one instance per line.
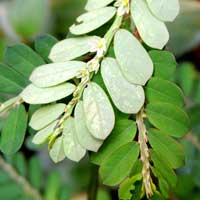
x=166, y=147
x=123, y=159
x=20, y=163
x=23, y=59
x=186, y=77
x=159, y=90
x=10, y=80
x=162, y=166
x=53, y=186
x=14, y=130
x=164, y=64
x=35, y=172
x=123, y=133
x=44, y=44
x=169, y=118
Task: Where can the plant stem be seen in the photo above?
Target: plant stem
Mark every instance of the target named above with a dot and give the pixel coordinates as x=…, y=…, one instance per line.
x=28, y=189
x=93, y=186
x=144, y=154
x=85, y=80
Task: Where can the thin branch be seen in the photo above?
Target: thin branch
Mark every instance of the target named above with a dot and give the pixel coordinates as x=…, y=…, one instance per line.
x=28, y=189
x=144, y=154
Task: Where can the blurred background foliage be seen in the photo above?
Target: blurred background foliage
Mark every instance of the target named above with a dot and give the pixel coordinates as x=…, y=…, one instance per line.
x=26, y=20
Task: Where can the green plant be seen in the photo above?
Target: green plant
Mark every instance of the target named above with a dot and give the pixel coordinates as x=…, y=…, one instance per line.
x=111, y=95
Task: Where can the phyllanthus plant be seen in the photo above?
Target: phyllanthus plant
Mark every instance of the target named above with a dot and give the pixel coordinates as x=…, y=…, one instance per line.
x=106, y=94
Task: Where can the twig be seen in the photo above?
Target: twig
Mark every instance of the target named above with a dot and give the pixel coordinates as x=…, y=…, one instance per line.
x=144, y=154
x=28, y=189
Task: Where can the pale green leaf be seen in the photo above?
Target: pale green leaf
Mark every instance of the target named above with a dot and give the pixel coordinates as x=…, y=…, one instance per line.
x=45, y=115
x=120, y=93
x=43, y=135
x=127, y=187
x=84, y=136
x=73, y=150
x=56, y=73
x=123, y=133
x=167, y=148
x=96, y=4
x=99, y=113
x=134, y=61
x=92, y=20
x=169, y=118
x=153, y=32
x=14, y=130
x=56, y=152
x=70, y=49
x=165, y=10
x=117, y=166
x=36, y=95
x=159, y=90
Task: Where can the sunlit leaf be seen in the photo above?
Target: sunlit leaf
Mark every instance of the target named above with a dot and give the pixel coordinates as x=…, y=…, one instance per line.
x=92, y=20
x=120, y=93
x=96, y=4
x=153, y=32
x=36, y=95
x=133, y=59
x=42, y=136
x=45, y=115
x=84, y=136
x=56, y=152
x=73, y=150
x=56, y=73
x=99, y=113
x=165, y=10
x=70, y=49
